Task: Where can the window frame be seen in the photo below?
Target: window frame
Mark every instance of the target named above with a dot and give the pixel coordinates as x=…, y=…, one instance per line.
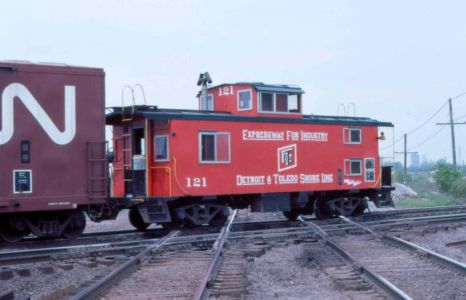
x=214, y=133
x=349, y=141
x=251, y=106
x=213, y=102
x=274, y=104
x=348, y=172
x=155, y=148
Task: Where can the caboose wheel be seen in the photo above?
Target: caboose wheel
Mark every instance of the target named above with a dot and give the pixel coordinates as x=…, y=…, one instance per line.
x=171, y=225
x=291, y=215
x=219, y=219
x=359, y=210
x=76, y=225
x=136, y=219
x=12, y=229
x=321, y=209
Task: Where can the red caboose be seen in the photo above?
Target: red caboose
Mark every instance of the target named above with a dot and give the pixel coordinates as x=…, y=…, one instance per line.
x=248, y=145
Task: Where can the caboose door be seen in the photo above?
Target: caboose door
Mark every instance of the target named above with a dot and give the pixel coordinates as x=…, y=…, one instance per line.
x=136, y=183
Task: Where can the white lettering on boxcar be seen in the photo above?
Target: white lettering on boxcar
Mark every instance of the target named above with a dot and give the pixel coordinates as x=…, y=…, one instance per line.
x=19, y=91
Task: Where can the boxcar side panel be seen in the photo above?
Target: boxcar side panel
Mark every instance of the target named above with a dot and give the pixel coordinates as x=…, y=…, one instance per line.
x=50, y=116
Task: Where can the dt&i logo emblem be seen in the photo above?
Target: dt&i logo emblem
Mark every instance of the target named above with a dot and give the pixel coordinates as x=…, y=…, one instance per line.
x=287, y=157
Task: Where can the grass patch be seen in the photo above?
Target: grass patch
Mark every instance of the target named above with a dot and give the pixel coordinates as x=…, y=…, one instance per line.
x=425, y=200
x=428, y=193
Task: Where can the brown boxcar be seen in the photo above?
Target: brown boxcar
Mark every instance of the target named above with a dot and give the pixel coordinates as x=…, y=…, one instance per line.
x=52, y=147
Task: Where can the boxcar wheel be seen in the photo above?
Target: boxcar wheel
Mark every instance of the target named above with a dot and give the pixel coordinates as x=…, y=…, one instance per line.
x=12, y=229
x=136, y=220
x=76, y=225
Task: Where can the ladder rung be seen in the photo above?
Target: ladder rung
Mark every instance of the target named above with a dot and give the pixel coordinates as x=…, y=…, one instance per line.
x=127, y=149
x=127, y=119
x=98, y=178
x=126, y=134
x=127, y=179
x=97, y=159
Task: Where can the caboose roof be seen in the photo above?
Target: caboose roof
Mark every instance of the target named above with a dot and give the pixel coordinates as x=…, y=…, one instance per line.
x=155, y=113
x=263, y=87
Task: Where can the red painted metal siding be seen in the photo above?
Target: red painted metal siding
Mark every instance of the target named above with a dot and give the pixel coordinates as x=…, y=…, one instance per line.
x=254, y=165
x=61, y=167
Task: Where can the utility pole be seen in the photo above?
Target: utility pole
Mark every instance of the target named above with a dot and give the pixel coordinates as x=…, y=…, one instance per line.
x=405, y=158
x=452, y=129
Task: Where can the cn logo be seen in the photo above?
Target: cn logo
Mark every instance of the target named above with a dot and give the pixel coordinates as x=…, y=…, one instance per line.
x=19, y=91
x=287, y=157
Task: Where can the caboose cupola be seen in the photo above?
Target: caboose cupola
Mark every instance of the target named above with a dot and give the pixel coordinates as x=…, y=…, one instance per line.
x=255, y=99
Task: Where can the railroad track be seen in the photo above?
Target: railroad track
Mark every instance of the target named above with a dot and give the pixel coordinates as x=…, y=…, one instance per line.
x=239, y=230
x=85, y=239
x=402, y=270
x=192, y=273
x=244, y=240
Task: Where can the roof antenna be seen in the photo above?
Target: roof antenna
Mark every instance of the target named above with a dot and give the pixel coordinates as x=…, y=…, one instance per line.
x=204, y=79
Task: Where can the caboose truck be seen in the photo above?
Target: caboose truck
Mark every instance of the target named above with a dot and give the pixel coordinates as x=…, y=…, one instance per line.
x=248, y=145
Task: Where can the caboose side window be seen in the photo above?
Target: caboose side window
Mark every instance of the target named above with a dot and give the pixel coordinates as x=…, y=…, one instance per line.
x=214, y=147
x=353, y=167
x=279, y=103
x=245, y=100
x=266, y=102
x=352, y=135
x=161, y=148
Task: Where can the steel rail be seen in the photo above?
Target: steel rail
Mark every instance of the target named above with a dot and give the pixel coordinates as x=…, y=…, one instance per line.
x=445, y=261
x=122, y=271
x=385, y=285
x=45, y=254
x=10, y=257
x=424, y=209
x=202, y=289
x=397, y=222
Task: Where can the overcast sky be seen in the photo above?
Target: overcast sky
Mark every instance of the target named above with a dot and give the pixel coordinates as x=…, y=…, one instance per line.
x=397, y=61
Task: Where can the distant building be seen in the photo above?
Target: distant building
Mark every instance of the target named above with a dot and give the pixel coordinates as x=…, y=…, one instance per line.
x=415, y=160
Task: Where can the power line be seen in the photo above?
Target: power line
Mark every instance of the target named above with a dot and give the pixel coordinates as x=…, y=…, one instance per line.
x=393, y=144
x=429, y=119
x=427, y=139
x=422, y=125
x=459, y=118
x=458, y=96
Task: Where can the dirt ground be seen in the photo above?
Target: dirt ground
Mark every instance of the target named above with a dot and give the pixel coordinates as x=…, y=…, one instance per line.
x=286, y=273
